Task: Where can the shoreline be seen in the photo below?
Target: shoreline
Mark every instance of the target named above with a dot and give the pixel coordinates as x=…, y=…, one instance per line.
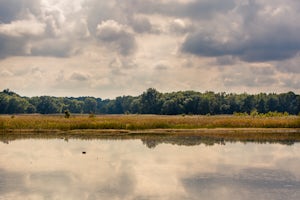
x=235, y=128
x=218, y=134
x=159, y=130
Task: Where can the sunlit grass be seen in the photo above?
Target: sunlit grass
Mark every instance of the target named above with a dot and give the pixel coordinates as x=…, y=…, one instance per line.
x=142, y=122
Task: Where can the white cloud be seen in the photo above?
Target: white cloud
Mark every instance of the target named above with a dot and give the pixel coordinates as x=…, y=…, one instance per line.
x=22, y=28
x=124, y=47
x=110, y=30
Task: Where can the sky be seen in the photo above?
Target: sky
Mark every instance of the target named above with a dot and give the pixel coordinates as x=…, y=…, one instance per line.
x=122, y=47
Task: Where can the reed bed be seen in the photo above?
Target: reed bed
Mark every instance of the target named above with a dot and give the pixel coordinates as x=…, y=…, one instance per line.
x=143, y=122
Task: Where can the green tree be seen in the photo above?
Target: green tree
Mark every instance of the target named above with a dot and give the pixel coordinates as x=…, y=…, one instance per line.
x=272, y=103
x=90, y=105
x=17, y=105
x=154, y=102
x=191, y=104
x=151, y=102
x=76, y=106
x=4, y=103
x=31, y=109
x=203, y=106
x=48, y=105
x=248, y=104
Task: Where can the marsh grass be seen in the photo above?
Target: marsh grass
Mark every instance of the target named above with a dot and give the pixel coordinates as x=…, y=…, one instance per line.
x=143, y=122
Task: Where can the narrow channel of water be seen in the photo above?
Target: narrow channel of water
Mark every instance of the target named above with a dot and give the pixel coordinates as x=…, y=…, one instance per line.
x=145, y=169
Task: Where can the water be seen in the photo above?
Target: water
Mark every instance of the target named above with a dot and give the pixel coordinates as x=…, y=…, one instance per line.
x=134, y=169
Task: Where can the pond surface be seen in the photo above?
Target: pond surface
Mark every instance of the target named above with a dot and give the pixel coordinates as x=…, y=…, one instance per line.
x=134, y=169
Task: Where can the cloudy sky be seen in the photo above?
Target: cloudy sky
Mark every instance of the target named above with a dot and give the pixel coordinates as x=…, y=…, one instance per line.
x=122, y=47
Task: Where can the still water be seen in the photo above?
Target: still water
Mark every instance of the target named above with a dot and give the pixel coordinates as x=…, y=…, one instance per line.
x=138, y=169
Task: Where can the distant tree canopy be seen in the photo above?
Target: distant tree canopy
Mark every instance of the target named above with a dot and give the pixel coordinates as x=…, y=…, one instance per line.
x=154, y=102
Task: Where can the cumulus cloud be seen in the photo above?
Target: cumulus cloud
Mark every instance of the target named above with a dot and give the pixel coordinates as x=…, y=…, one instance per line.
x=10, y=46
x=22, y=28
x=97, y=11
x=221, y=41
x=141, y=25
x=264, y=34
x=116, y=35
x=29, y=29
x=266, y=47
x=55, y=20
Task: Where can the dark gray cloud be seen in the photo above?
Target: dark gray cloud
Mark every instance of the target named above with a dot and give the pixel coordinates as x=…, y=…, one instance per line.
x=16, y=9
x=265, y=32
x=279, y=43
x=228, y=33
x=10, y=46
x=141, y=25
x=117, y=36
x=263, y=35
x=25, y=46
x=9, y=10
x=194, y=9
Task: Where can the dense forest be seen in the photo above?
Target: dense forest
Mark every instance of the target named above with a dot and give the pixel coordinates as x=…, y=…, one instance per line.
x=154, y=102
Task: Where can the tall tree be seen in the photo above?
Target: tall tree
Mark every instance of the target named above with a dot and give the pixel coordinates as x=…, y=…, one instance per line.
x=90, y=105
x=48, y=105
x=151, y=102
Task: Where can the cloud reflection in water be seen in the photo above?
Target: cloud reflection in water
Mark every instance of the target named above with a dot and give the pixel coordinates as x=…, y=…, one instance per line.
x=127, y=169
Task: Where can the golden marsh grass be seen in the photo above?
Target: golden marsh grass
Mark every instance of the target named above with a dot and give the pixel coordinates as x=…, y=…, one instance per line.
x=143, y=122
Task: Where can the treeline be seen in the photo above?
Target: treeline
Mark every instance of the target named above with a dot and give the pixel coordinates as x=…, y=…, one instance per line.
x=154, y=102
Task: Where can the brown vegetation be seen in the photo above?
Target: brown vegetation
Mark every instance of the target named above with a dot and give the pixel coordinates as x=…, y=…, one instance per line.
x=143, y=122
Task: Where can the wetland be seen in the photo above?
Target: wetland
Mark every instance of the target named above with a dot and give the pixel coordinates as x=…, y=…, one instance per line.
x=144, y=167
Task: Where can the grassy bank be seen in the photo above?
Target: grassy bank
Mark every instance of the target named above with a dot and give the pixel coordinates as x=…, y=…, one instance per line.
x=142, y=122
